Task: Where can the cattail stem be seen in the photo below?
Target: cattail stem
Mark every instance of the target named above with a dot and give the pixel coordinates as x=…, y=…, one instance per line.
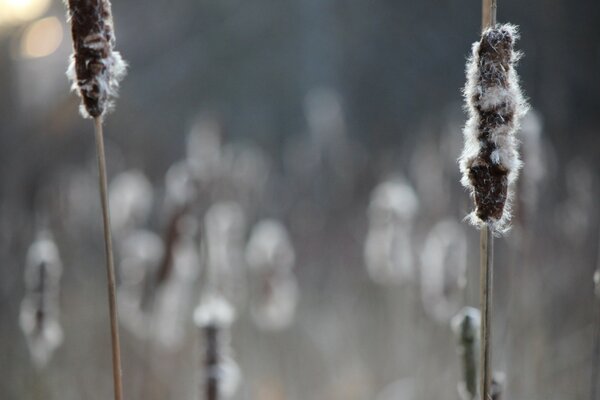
x=211, y=363
x=595, y=381
x=110, y=267
x=486, y=249
x=488, y=14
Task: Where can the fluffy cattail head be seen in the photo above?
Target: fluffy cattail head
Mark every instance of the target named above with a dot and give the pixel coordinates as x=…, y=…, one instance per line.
x=490, y=161
x=95, y=69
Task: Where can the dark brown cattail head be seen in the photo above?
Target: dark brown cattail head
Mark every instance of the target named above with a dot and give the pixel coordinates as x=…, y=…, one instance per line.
x=490, y=162
x=95, y=69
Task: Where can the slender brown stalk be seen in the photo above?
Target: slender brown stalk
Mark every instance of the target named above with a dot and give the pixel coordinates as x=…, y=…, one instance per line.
x=110, y=267
x=488, y=14
x=595, y=381
x=486, y=249
x=211, y=363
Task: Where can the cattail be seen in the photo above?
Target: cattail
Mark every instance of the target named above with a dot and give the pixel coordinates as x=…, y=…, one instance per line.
x=140, y=253
x=443, y=270
x=224, y=231
x=175, y=296
x=388, y=251
x=466, y=325
x=95, y=69
x=221, y=375
x=39, y=317
x=490, y=162
x=270, y=257
x=130, y=199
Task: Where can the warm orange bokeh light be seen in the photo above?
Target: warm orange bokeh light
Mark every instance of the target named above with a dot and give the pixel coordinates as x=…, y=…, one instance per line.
x=41, y=38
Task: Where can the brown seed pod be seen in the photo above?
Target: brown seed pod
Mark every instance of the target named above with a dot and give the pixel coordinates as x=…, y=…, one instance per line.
x=490, y=161
x=95, y=69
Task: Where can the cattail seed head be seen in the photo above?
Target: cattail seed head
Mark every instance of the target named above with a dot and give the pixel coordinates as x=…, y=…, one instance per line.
x=95, y=69
x=490, y=162
x=466, y=326
x=40, y=311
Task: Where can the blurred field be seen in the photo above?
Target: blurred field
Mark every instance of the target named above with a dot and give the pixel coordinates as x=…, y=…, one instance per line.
x=296, y=111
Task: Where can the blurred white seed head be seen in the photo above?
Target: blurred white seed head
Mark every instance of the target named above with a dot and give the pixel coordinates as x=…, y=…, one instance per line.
x=597, y=283
x=179, y=185
x=269, y=247
x=43, y=338
x=214, y=310
x=497, y=385
x=324, y=116
x=388, y=249
x=176, y=296
x=130, y=198
x=140, y=252
x=403, y=389
x=393, y=200
x=214, y=316
x=270, y=256
x=204, y=152
x=246, y=170
x=224, y=230
x=39, y=314
x=443, y=270
x=43, y=259
x=274, y=305
x=389, y=254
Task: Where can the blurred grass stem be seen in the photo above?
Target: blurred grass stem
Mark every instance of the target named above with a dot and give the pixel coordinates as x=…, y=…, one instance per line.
x=110, y=267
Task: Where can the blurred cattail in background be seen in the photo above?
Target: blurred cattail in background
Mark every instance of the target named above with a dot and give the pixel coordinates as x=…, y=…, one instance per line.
x=220, y=374
x=466, y=326
x=40, y=310
x=130, y=199
x=224, y=230
x=270, y=257
x=140, y=253
x=388, y=248
x=204, y=148
x=490, y=162
x=176, y=295
x=443, y=270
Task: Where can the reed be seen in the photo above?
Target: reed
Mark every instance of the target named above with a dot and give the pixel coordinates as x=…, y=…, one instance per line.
x=95, y=71
x=490, y=161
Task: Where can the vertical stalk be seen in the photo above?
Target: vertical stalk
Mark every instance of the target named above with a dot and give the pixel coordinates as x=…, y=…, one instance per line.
x=110, y=267
x=211, y=363
x=595, y=381
x=486, y=249
x=488, y=14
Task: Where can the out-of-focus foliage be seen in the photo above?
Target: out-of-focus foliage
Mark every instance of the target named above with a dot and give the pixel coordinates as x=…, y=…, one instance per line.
x=297, y=159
